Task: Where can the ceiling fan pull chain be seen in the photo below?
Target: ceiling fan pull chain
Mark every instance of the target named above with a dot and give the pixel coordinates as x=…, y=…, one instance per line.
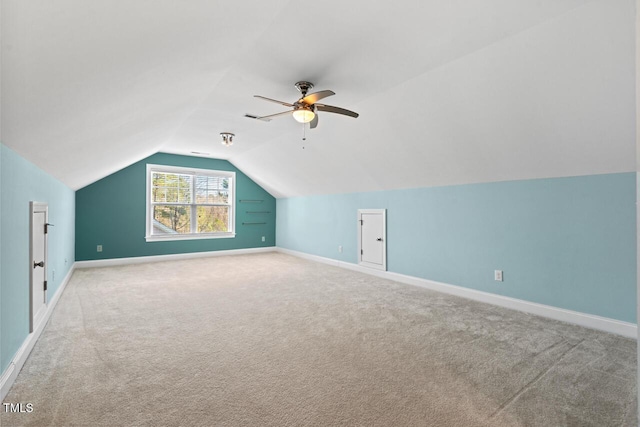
x=304, y=134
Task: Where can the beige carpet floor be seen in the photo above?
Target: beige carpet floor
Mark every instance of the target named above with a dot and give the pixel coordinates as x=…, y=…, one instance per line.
x=273, y=340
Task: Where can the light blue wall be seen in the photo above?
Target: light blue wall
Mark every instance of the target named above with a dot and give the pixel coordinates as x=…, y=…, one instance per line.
x=111, y=212
x=564, y=242
x=22, y=182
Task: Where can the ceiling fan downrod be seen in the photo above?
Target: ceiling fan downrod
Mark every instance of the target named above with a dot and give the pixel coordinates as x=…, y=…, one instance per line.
x=304, y=87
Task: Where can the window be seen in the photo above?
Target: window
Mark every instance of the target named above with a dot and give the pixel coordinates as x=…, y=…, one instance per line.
x=185, y=203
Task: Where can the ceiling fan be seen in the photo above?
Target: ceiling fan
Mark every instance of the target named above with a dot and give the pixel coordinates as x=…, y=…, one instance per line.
x=305, y=109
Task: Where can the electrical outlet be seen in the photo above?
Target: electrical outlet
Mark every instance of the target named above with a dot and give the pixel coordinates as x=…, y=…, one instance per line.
x=263, y=238
x=340, y=248
x=497, y=275
x=99, y=248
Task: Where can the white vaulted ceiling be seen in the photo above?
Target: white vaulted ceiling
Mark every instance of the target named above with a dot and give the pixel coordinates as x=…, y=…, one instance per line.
x=449, y=92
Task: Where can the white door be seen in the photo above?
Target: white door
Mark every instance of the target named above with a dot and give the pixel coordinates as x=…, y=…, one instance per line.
x=38, y=264
x=372, y=239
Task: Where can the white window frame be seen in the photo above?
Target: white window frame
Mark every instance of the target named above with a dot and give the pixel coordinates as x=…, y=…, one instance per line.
x=150, y=237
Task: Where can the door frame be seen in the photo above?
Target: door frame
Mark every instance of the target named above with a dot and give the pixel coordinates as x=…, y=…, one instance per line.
x=37, y=207
x=383, y=212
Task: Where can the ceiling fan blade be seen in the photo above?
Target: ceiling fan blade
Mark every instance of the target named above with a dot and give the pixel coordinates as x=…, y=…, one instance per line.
x=312, y=98
x=270, y=116
x=251, y=116
x=337, y=110
x=286, y=104
x=313, y=123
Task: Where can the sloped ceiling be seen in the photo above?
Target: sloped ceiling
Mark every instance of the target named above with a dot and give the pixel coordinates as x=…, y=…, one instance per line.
x=449, y=92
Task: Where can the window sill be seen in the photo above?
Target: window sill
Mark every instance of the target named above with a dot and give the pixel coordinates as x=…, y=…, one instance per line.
x=171, y=238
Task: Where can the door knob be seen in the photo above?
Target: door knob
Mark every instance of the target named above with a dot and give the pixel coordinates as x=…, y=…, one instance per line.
x=379, y=239
x=38, y=264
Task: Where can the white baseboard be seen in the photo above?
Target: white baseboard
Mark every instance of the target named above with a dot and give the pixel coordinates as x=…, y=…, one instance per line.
x=12, y=371
x=171, y=257
x=591, y=321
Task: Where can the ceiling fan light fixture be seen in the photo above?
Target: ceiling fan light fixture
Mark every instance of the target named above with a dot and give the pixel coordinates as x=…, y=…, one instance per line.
x=303, y=115
x=227, y=138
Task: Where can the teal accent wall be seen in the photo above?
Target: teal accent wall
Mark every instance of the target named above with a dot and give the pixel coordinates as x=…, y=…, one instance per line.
x=564, y=242
x=111, y=212
x=22, y=182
